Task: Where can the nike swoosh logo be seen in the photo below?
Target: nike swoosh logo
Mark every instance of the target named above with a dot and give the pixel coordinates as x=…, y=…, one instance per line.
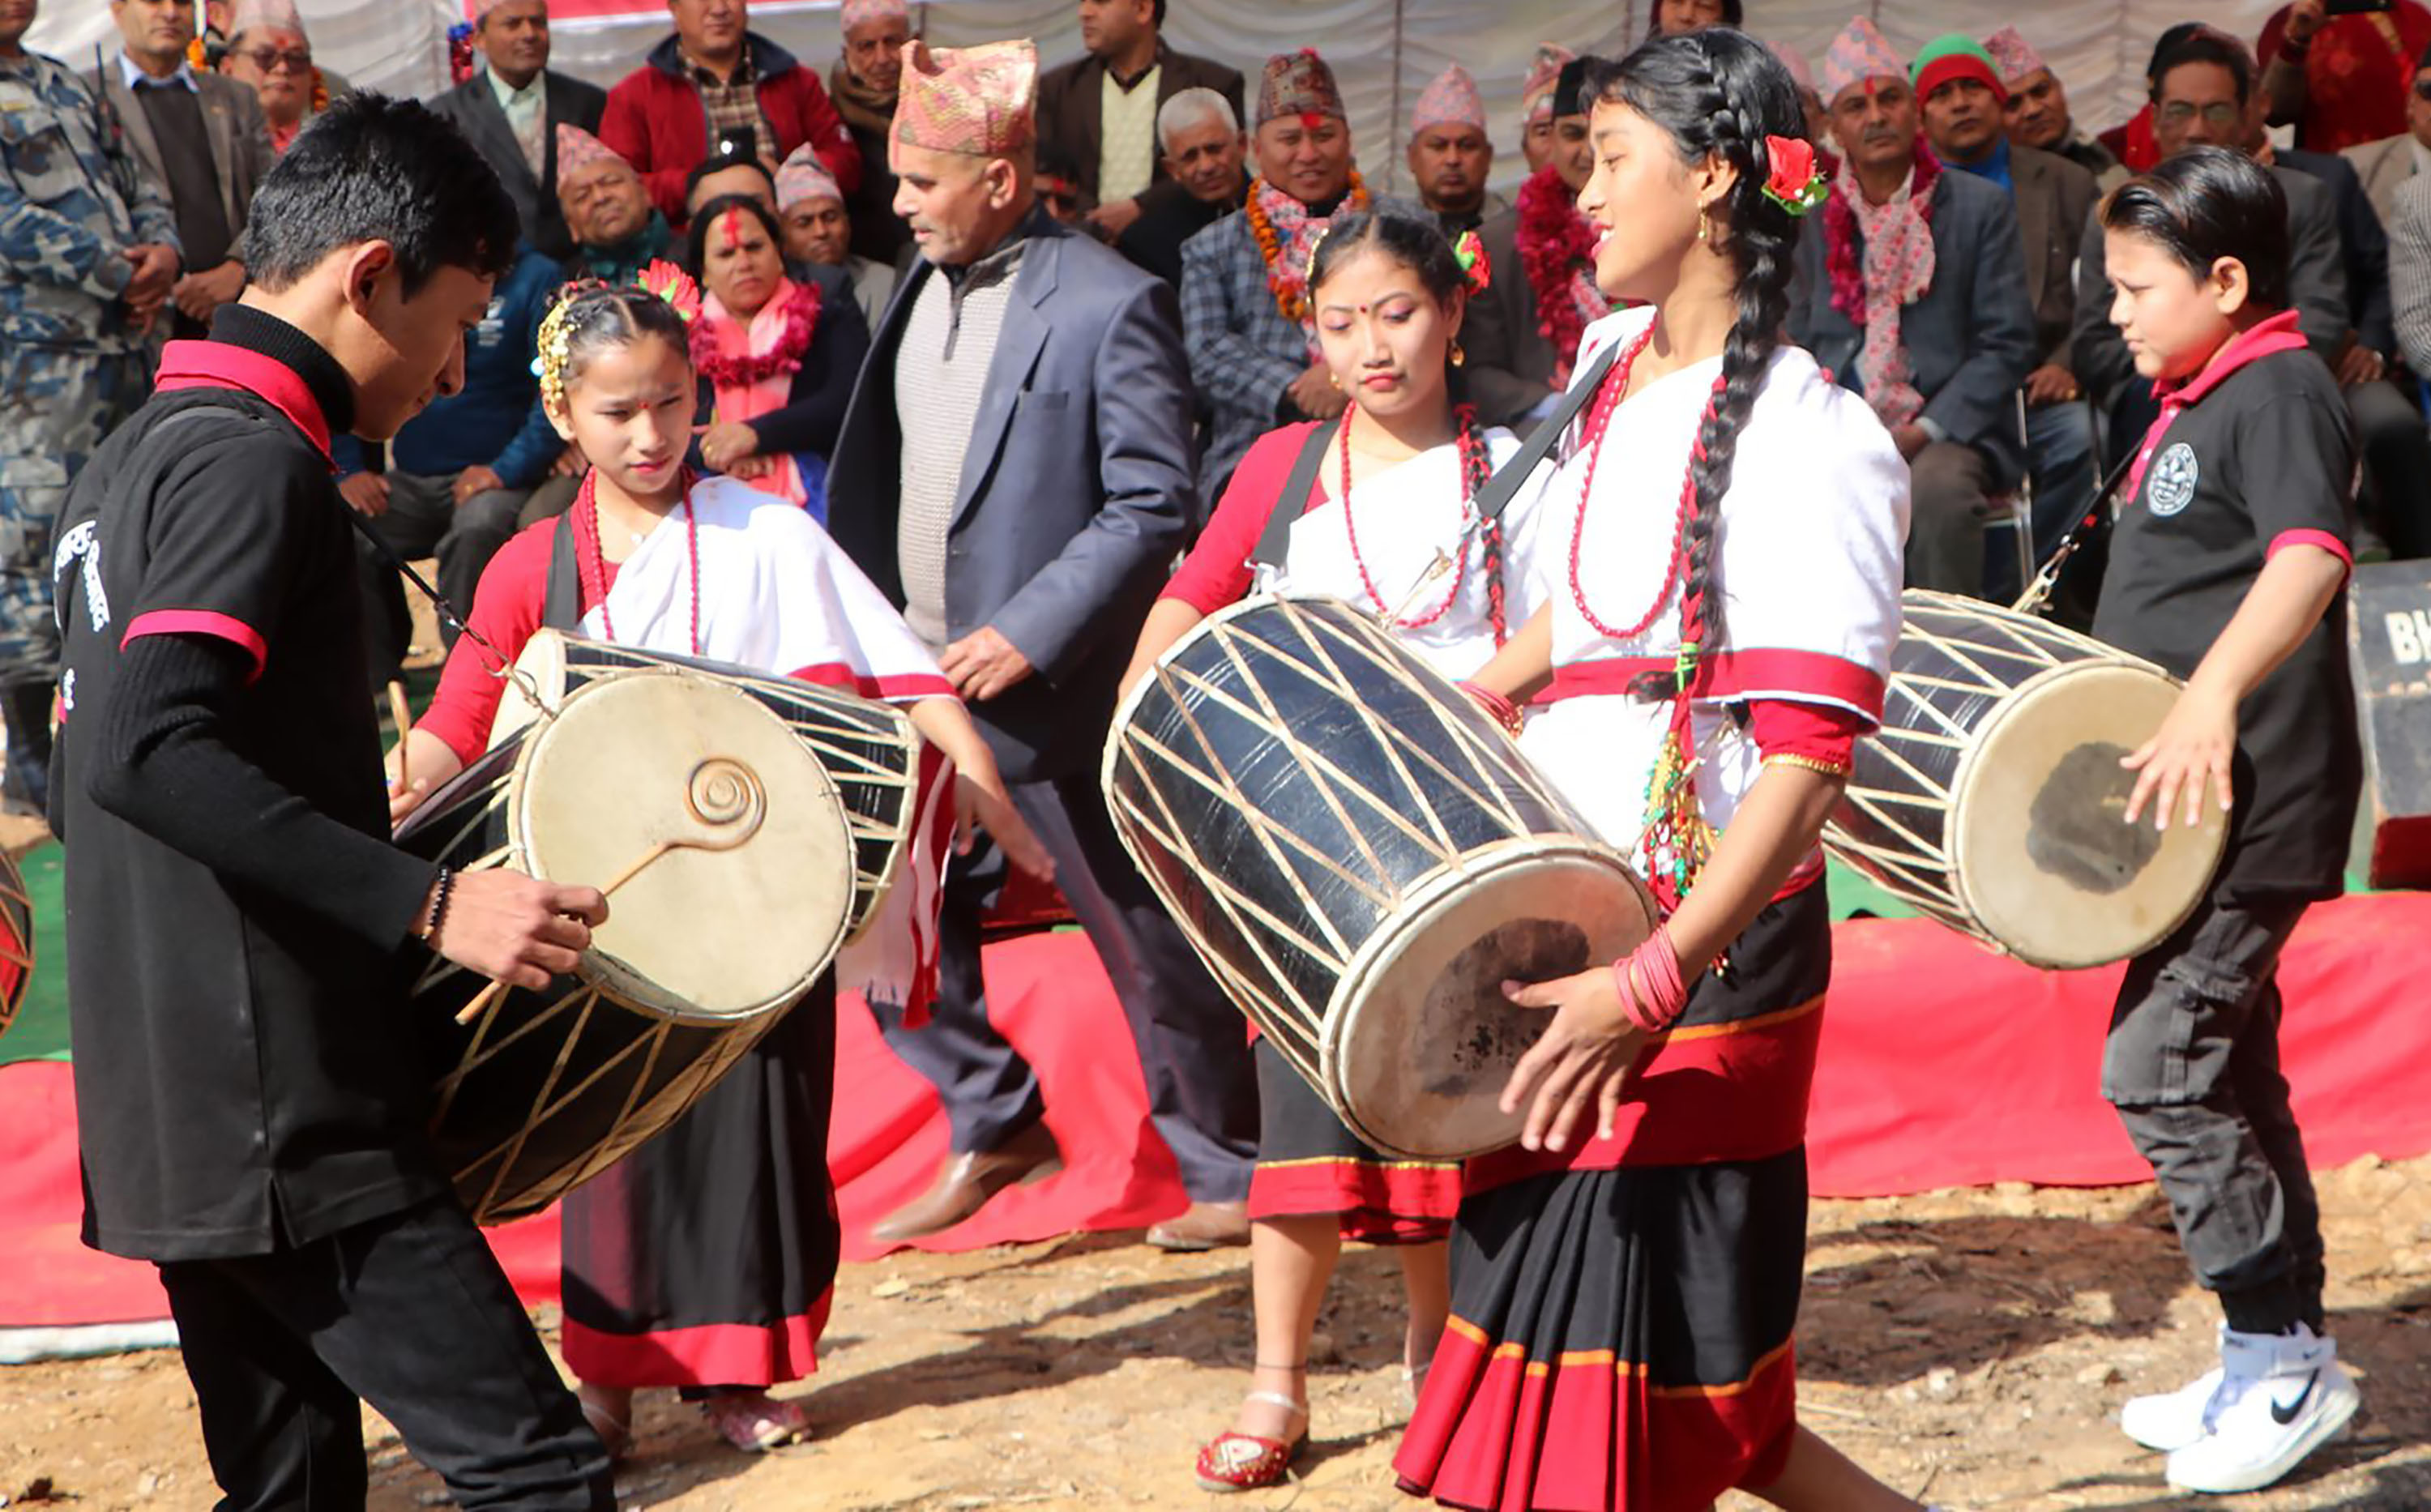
x=2283, y=1416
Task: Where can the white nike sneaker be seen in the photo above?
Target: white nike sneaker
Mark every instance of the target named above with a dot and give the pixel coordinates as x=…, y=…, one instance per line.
x=2280, y=1398
x=2171, y=1421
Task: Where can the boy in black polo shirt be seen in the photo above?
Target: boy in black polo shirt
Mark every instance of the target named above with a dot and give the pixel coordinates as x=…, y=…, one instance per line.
x=2227, y=569
x=238, y=927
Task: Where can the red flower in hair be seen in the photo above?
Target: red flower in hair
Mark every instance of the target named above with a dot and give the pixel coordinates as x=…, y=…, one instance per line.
x=674, y=285
x=1470, y=251
x=1794, y=185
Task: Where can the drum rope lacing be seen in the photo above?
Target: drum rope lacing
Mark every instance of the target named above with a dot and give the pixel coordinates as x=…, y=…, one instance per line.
x=1476, y=465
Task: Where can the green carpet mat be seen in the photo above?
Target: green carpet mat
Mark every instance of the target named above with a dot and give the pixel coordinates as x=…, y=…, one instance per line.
x=41, y=1030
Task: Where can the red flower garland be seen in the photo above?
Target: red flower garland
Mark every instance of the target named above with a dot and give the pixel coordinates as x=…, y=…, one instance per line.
x=1552, y=238
x=801, y=324
x=1840, y=235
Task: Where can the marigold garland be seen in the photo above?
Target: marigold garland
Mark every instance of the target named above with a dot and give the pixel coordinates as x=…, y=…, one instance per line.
x=1287, y=283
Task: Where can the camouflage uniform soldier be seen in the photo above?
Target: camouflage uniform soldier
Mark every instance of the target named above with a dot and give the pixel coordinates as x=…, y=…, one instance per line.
x=88, y=252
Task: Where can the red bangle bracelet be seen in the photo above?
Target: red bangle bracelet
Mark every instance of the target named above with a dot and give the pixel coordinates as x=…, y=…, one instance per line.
x=1648, y=980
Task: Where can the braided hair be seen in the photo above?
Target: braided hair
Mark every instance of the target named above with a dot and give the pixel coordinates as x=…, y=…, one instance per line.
x=589, y=316
x=1418, y=244
x=1719, y=94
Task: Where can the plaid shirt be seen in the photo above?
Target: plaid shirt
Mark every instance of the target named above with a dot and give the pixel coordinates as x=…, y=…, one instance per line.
x=733, y=104
x=1243, y=353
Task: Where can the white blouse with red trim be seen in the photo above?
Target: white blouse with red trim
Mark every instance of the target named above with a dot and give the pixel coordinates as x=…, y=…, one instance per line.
x=776, y=593
x=1809, y=562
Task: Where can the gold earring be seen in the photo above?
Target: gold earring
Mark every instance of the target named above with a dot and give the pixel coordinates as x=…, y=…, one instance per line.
x=1700, y=226
x=1458, y=357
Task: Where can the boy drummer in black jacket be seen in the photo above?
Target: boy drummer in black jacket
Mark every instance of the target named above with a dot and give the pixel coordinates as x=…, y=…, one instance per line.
x=251, y=1101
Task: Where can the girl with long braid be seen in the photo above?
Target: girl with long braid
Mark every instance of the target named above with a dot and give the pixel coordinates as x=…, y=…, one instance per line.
x=1722, y=561
x=1368, y=504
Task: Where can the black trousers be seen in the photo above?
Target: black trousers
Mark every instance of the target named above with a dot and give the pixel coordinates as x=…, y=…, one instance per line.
x=411, y=1313
x=2192, y=1065
x=1194, y=1048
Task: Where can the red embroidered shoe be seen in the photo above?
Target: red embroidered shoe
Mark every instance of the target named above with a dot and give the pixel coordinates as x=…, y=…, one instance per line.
x=755, y=1422
x=1244, y=1462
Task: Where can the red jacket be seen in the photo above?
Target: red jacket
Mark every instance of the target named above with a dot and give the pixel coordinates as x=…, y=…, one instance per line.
x=656, y=122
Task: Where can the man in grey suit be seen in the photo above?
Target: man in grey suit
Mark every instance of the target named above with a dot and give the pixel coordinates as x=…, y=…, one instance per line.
x=510, y=111
x=1016, y=473
x=2053, y=198
x=200, y=136
x=1938, y=341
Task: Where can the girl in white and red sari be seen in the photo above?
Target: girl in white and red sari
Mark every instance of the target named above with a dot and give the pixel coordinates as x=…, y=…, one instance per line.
x=706, y=1259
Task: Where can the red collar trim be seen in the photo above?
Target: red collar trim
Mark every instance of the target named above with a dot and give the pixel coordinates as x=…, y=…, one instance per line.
x=219, y=365
x=2273, y=336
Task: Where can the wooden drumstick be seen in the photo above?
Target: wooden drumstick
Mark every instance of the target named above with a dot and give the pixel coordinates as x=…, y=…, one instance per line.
x=402, y=714
x=734, y=815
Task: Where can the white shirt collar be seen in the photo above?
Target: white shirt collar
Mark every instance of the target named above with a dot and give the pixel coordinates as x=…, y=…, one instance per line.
x=507, y=94
x=2421, y=154
x=132, y=73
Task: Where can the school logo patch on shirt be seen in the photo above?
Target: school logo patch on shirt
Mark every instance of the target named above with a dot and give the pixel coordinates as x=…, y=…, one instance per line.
x=2173, y=487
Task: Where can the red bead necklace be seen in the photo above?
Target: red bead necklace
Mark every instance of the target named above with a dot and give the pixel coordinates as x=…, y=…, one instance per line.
x=1470, y=449
x=1616, y=387
x=594, y=569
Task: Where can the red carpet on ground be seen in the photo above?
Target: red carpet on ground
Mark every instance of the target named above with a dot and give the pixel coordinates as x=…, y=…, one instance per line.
x=1943, y=1065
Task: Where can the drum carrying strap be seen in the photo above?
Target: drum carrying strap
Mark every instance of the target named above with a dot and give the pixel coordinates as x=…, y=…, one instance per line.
x=1274, y=543
x=561, y=605
x=1505, y=484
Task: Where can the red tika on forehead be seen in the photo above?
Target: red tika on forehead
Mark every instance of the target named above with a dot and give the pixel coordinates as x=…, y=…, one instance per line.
x=730, y=225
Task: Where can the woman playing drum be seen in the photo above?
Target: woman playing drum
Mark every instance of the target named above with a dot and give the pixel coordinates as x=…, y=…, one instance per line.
x=1391, y=493
x=705, y=1259
x=1722, y=559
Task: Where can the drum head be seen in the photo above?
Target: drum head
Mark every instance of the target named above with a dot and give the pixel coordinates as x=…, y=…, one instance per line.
x=706, y=933
x=2043, y=857
x=1420, y=1039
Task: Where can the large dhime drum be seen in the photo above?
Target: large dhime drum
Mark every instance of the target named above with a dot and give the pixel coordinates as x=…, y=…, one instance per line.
x=728, y=855
x=1362, y=857
x=1993, y=799
x=869, y=748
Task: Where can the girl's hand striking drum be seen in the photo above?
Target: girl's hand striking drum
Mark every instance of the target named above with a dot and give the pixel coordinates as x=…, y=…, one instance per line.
x=1585, y=1054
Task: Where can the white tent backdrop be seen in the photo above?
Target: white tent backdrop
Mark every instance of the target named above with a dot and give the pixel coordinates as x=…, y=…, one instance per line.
x=1383, y=50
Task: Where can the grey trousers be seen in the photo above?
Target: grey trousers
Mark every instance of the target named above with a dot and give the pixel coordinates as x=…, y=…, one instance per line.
x=2192, y=1065
x=1194, y=1048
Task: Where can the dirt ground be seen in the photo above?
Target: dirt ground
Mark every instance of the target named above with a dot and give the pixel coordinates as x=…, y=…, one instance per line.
x=1971, y=1347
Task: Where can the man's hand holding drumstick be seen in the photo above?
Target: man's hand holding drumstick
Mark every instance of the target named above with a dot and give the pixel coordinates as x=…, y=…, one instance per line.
x=513, y=929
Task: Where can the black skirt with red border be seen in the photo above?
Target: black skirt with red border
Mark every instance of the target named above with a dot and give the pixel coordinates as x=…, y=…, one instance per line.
x=708, y=1257
x=1622, y=1316
x=1310, y=1166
